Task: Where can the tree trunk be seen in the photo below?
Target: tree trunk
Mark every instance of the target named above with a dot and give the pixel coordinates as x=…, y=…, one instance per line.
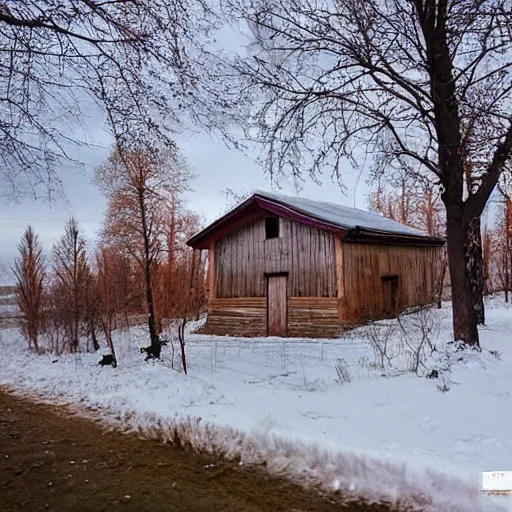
x=440, y=283
x=155, y=346
x=153, y=334
x=74, y=330
x=464, y=322
x=94, y=338
x=475, y=267
x=181, y=337
x=486, y=249
x=110, y=343
x=508, y=258
x=107, y=327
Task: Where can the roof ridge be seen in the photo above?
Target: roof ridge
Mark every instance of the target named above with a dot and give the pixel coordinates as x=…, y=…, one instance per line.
x=351, y=223
x=335, y=205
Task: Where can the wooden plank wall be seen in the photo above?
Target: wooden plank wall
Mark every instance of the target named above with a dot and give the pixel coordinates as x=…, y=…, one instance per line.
x=365, y=264
x=237, y=317
x=307, y=254
x=319, y=296
x=313, y=317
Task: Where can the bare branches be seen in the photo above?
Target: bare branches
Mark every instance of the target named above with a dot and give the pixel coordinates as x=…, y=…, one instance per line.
x=72, y=271
x=503, y=153
x=329, y=80
x=145, y=61
x=403, y=197
x=422, y=86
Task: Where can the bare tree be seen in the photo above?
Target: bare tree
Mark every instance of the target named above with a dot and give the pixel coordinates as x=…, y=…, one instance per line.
x=422, y=85
x=171, y=280
x=487, y=236
x=114, y=291
x=55, y=313
x=508, y=247
x=138, y=184
x=409, y=201
x=147, y=62
x=72, y=273
x=417, y=203
x=91, y=313
x=193, y=299
x=29, y=269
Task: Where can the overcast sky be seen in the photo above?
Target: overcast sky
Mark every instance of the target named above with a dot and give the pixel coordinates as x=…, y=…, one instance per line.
x=216, y=167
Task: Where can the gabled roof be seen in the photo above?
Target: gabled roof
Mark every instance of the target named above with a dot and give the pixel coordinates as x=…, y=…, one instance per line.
x=352, y=224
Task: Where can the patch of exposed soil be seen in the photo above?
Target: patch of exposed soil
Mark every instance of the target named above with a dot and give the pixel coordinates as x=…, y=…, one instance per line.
x=51, y=461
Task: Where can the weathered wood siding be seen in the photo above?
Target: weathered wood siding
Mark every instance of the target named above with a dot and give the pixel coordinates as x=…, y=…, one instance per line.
x=277, y=306
x=237, y=317
x=314, y=317
x=330, y=283
x=365, y=264
x=308, y=255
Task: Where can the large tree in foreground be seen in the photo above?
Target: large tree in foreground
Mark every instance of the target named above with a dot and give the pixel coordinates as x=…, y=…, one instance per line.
x=145, y=61
x=420, y=84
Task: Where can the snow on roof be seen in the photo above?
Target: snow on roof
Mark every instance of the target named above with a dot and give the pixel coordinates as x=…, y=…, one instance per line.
x=342, y=216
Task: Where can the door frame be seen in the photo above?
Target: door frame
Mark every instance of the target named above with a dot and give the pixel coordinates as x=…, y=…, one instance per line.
x=390, y=294
x=267, y=275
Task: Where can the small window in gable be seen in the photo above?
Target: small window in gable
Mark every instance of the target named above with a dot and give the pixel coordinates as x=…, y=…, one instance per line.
x=271, y=227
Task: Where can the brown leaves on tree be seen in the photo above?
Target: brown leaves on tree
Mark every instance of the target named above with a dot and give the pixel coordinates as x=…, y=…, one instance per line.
x=29, y=269
x=145, y=221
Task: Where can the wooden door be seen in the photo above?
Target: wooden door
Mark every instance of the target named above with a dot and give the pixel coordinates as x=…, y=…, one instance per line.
x=390, y=295
x=277, y=308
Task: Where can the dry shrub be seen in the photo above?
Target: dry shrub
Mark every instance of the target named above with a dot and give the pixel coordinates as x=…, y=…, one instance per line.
x=382, y=340
x=419, y=340
x=342, y=371
x=404, y=345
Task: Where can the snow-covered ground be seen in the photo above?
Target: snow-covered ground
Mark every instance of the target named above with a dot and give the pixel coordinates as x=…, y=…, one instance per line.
x=381, y=432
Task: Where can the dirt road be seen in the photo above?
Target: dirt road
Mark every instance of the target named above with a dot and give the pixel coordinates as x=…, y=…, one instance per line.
x=49, y=461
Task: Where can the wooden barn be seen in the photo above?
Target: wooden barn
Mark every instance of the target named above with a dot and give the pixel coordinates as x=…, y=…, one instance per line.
x=290, y=266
